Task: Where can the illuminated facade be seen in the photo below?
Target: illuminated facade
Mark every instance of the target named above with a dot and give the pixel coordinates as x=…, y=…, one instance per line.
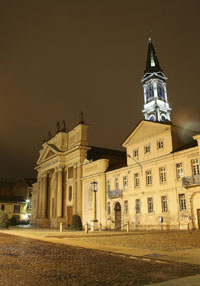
x=154, y=184
x=156, y=106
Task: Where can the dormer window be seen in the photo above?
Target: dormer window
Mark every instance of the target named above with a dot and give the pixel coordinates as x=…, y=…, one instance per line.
x=160, y=144
x=147, y=149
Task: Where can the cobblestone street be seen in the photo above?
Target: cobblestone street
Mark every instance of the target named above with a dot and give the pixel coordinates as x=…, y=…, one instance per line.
x=25, y=261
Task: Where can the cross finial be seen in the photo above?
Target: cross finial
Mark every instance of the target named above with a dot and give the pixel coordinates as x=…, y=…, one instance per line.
x=149, y=33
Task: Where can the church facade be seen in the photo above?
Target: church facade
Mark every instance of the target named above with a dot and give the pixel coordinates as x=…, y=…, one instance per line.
x=154, y=184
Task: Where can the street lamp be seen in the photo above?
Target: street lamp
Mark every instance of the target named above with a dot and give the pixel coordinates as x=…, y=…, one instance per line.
x=94, y=186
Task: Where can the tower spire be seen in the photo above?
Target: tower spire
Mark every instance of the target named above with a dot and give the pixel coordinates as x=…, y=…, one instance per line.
x=156, y=106
x=152, y=63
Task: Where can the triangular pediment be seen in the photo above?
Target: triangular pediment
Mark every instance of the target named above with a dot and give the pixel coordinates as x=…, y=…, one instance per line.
x=46, y=153
x=144, y=130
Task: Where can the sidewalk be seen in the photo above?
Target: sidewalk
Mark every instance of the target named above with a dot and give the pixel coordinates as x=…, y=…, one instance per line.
x=90, y=240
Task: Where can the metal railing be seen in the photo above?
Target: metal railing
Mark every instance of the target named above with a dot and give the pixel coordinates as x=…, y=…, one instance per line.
x=115, y=194
x=190, y=181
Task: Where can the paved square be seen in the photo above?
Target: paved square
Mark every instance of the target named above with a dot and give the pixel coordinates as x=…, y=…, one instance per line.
x=25, y=261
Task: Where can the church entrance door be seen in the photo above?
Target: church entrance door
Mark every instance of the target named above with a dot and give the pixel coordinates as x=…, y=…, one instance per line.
x=117, y=216
x=198, y=217
x=69, y=216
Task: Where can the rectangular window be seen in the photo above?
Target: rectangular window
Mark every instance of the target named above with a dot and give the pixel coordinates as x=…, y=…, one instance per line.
x=149, y=177
x=195, y=167
x=160, y=144
x=135, y=153
x=150, y=205
x=179, y=171
x=116, y=184
x=70, y=172
x=125, y=207
x=147, y=148
x=162, y=172
x=108, y=208
x=164, y=204
x=108, y=186
x=136, y=180
x=137, y=206
x=2, y=207
x=16, y=209
x=182, y=202
x=125, y=182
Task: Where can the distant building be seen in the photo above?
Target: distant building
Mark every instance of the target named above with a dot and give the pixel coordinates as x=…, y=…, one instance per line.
x=16, y=198
x=154, y=184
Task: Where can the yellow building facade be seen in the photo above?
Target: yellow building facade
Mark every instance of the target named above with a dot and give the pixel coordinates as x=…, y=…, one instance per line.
x=154, y=184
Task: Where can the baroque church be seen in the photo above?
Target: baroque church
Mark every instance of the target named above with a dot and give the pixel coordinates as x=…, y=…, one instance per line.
x=154, y=184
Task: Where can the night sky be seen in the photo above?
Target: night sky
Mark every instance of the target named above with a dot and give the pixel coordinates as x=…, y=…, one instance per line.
x=58, y=58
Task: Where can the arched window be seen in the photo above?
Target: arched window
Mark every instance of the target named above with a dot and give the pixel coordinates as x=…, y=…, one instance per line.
x=163, y=118
x=152, y=118
x=70, y=193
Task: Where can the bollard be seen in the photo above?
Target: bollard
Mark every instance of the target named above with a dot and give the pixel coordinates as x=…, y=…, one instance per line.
x=100, y=226
x=127, y=227
x=86, y=227
x=61, y=227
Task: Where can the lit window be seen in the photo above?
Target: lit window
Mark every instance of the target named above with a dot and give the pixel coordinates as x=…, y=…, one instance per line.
x=137, y=206
x=135, y=153
x=160, y=144
x=108, y=208
x=108, y=185
x=164, y=204
x=116, y=184
x=150, y=205
x=162, y=175
x=195, y=167
x=16, y=209
x=125, y=207
x=182, y=202
x=149, y=177
x=147, y=149
x=125, y=182
x=136, y=180
x=179, y=171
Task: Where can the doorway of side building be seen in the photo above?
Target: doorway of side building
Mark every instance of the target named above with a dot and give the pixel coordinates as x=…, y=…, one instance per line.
x=117, y=216
x=198, y=217
x=69, y=216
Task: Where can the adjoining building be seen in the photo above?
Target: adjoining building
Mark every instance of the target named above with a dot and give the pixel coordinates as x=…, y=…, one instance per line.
x=16, y=198
x=154, y=184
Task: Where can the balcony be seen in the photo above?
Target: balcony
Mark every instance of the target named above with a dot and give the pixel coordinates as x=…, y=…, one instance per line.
x=115, y=194
x=190, y=181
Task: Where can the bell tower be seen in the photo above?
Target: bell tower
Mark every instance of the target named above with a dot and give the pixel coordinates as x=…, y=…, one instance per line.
x=156, y=106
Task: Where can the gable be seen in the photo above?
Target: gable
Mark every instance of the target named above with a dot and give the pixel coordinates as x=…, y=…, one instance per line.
x=46, y=153
x=145, y=130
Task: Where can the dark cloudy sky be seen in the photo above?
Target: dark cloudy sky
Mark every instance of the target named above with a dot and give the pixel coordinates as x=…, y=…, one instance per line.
x=60, y=57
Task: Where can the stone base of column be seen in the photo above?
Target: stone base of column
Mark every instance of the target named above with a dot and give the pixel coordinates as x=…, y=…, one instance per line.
x=44, y=222
x=55, y=222
x=94, y=225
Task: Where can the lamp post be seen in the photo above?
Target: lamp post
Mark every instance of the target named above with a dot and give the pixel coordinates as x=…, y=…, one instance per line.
x=94, y=189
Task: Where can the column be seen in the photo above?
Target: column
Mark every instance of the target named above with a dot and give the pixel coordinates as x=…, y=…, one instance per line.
x=74, y=196
x=44, y=196
x=103, y=206
x=59, y=192
x=39, y=198
x=79, y=192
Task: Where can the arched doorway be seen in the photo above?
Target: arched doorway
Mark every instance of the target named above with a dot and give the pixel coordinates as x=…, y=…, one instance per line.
x=117, y=216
